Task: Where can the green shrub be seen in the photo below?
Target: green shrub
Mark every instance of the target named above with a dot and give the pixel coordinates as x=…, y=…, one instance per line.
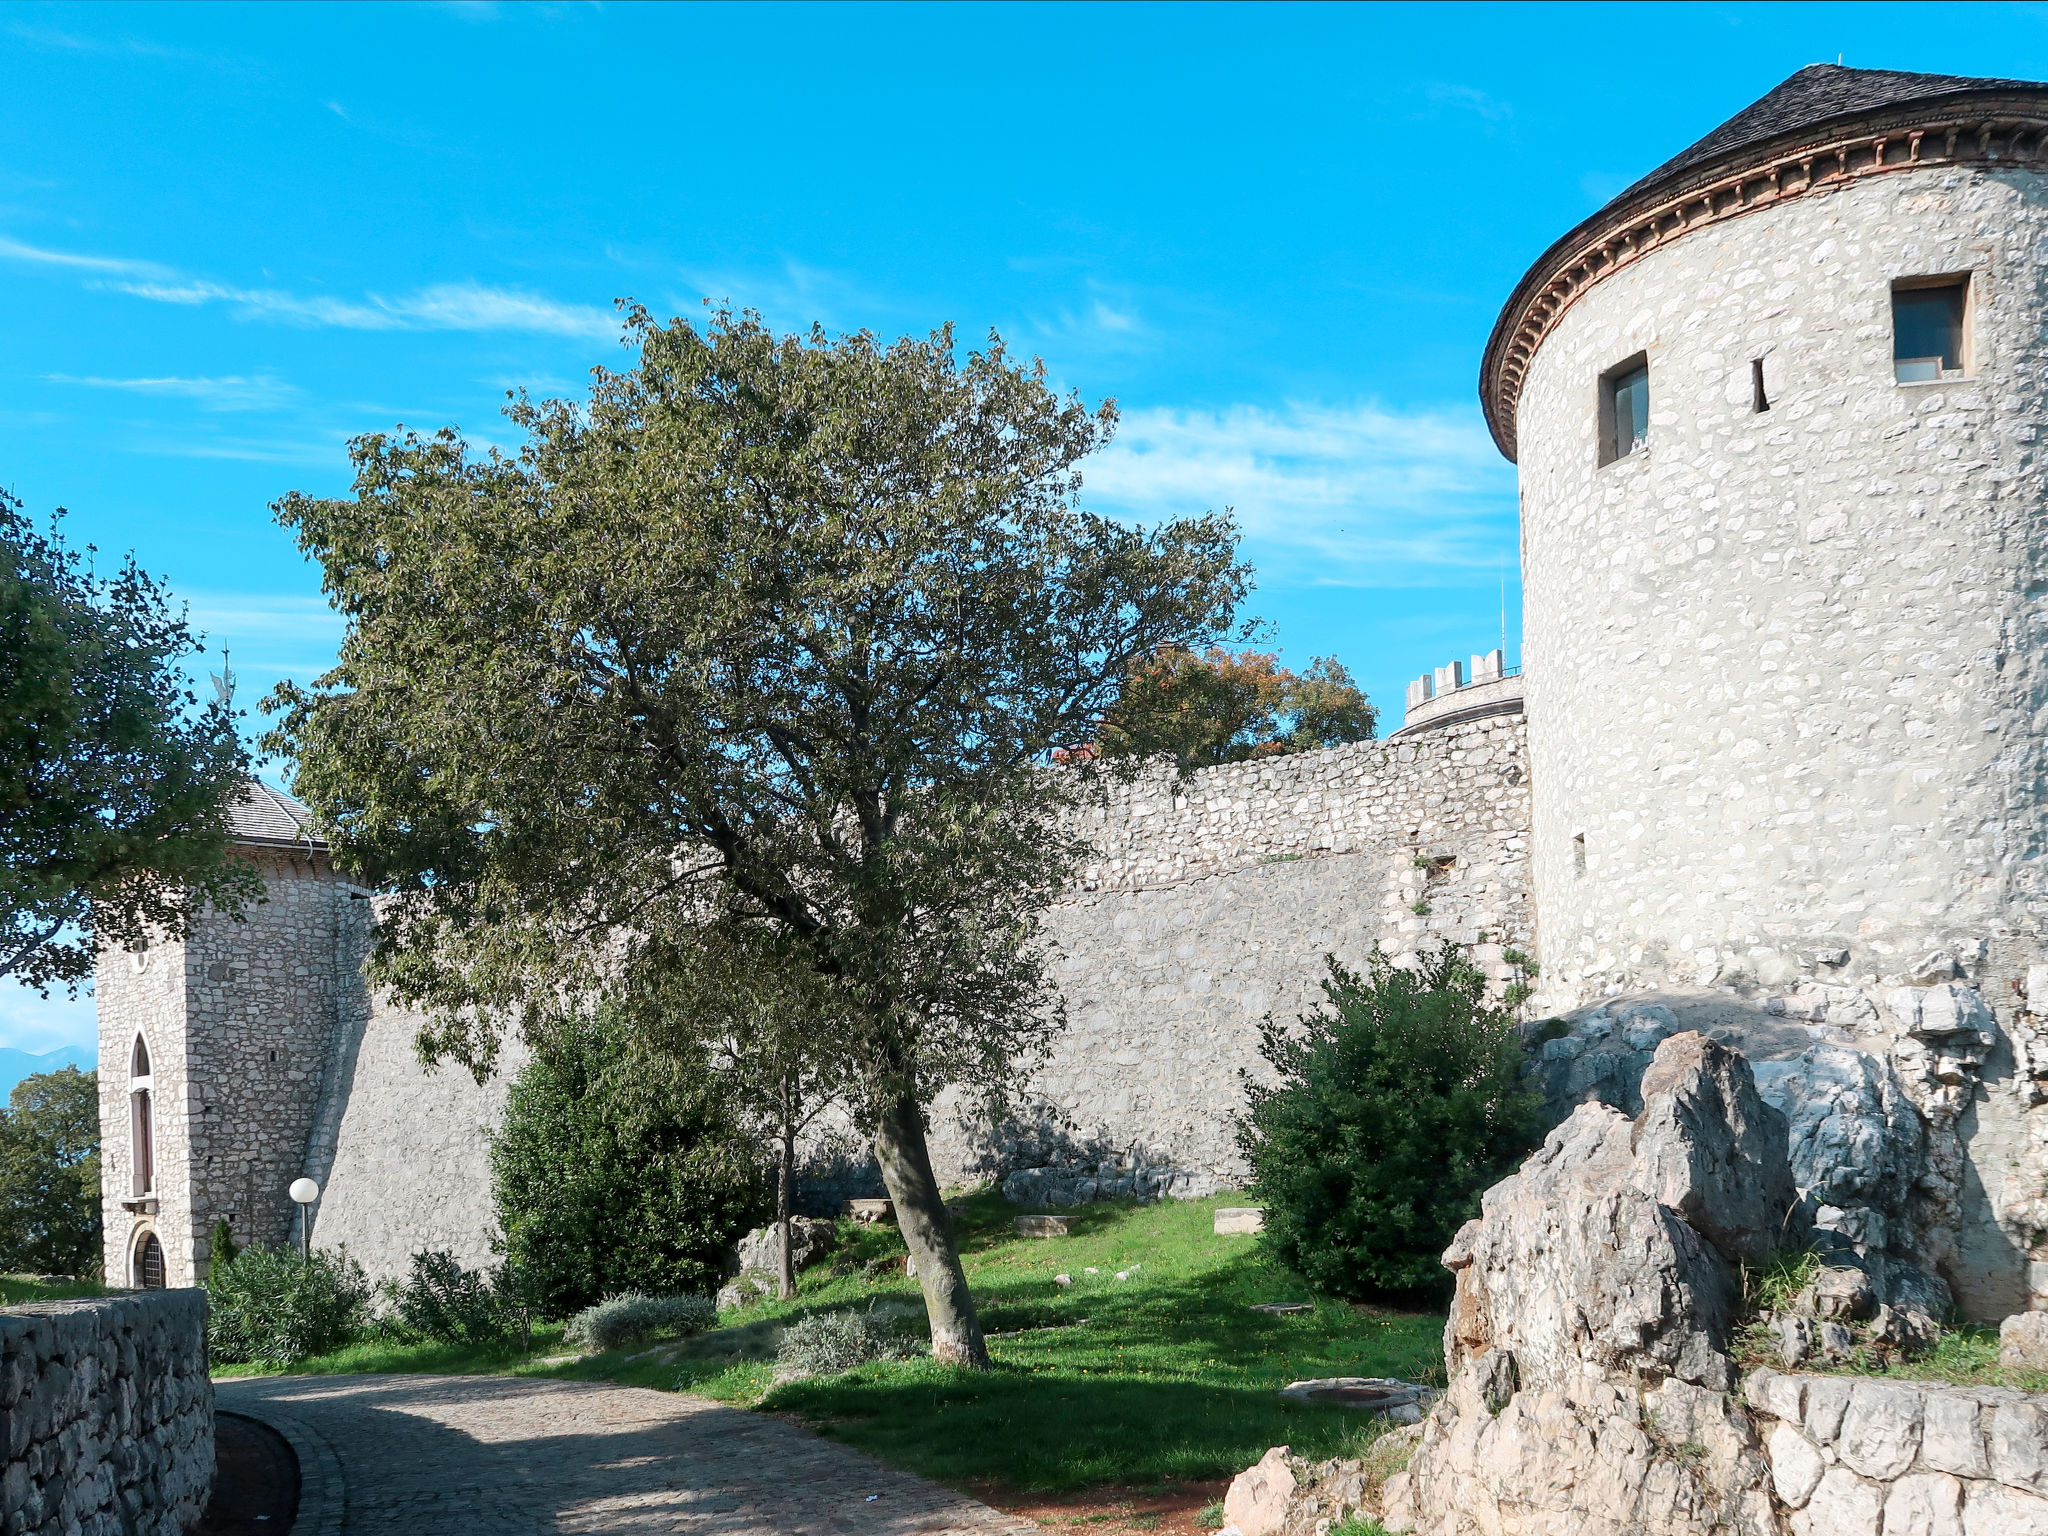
x=443, y=1302
x=268, y=1306
x=826, y=1342
x=629, y=1319
x=1396, y=1106
x=619, y=1172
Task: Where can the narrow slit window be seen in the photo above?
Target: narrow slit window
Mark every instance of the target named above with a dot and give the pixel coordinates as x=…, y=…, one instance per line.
x=1624, y=408
x=1758, y=400
x=1928, y=330
x=1578, y=853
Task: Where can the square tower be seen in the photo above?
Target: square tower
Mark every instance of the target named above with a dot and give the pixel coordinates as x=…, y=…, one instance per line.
x=214, y=1053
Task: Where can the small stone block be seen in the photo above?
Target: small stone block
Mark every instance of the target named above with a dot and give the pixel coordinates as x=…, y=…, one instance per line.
x=1239, y=1218
x=1041, y=1226
x=868, y=1212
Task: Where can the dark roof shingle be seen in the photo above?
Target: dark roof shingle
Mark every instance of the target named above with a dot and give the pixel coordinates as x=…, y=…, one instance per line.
x=266, y=815
x=1813, y=95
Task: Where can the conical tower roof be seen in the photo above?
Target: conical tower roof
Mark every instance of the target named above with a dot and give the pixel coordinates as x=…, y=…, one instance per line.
x=1821, y=127
x=271, y=818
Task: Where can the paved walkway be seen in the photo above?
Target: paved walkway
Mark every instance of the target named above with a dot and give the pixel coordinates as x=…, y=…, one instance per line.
x=512, y=1456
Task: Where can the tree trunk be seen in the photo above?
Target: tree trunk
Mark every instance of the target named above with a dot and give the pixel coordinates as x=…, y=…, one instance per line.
x=921, y=1216
x=785, y=1279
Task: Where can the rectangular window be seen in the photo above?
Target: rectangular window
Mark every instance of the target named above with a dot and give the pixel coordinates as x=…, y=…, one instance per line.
x=1928, y=333
x=1624, y=408
x=1758, y=400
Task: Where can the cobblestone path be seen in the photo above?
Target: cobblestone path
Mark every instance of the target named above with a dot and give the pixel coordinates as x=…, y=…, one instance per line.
x=485, y=1455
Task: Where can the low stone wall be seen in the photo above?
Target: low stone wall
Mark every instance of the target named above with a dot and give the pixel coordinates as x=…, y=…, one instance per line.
x=107, y=1414
x=1851, y=1455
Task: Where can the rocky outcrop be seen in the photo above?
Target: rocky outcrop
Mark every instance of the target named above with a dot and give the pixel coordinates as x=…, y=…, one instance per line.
x=1590, y=1381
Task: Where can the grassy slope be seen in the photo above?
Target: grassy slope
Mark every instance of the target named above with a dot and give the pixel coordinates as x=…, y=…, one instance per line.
x=1170, y=1377
x=16, y=1289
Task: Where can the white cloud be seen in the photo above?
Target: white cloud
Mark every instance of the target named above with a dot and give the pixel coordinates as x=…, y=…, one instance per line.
x=231, y=393
x=474, y=307
x=40, y=1024
x=467, y=306
x=1326, y=495
x=15, y=250
x=442, y=307
x=268, y=636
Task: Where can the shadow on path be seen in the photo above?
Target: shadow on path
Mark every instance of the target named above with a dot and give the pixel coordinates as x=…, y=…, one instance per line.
x=427, y=1455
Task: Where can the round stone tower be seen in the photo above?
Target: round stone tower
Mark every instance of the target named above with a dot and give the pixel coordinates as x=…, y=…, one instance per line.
x=1785, y=543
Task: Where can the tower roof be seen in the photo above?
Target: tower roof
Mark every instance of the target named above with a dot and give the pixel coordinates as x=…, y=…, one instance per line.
x=271, y=818
x=1820, y=128
x=1815, y=95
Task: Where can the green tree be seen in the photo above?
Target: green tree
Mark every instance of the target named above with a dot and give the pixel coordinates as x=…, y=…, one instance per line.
x=617, y=1170
x=1394, y=1109
x=778, y=633
x=50, y=1175
x=114, y=794
x=1223, y=706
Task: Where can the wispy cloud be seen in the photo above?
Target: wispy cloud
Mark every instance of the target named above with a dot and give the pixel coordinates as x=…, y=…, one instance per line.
x=467, y=306
x=79, y=42
x=15, y=250
x=232, y=393
x=792, y=294
x=268, y=635
x=1468, y=98
x=40, y=1024
x=442, y=307
x=1328, y=495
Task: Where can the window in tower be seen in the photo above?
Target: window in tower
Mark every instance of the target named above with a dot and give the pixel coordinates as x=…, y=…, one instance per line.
x=1624, y=408
x=1929, y=335
x=1758, y=400
x=141, y=1126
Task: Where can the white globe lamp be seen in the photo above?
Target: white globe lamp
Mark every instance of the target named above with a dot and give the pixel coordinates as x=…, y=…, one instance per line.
x=305, y=1192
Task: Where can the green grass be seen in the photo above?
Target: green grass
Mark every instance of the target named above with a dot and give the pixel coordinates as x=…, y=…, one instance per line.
x=1163, y=1377
x=16, y=1289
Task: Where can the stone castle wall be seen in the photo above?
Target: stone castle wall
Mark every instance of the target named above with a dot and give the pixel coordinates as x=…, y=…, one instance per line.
x=107, y=1413
x=401, y=1151
x=1212, y=904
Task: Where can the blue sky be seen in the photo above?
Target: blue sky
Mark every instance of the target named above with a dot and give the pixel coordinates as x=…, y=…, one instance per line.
x=231, y=237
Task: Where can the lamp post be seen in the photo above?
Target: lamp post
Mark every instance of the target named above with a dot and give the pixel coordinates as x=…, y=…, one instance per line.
x=305, y=1191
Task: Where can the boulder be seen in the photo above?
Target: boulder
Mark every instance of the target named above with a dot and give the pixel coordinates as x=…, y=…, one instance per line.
x=810, y=1240
x=1709, y=1148
x=1256, y=1504
x=2023, y=1341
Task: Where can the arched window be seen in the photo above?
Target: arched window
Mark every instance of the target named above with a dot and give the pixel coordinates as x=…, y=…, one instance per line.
x=141, y=1126
x=149, y=1263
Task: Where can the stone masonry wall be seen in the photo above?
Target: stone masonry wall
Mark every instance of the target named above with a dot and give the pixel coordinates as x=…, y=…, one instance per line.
x=1849, y=1456
x=262, y=999
x=107, y=1415
x=1785, y=671
x=402, y=1153
x=142, y=995
x=1212, y=904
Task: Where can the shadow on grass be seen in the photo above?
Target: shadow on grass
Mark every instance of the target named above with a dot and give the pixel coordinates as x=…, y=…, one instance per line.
x=1055, y=1433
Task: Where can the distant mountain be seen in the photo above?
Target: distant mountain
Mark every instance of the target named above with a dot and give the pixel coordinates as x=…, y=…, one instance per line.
x=15, y=1065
